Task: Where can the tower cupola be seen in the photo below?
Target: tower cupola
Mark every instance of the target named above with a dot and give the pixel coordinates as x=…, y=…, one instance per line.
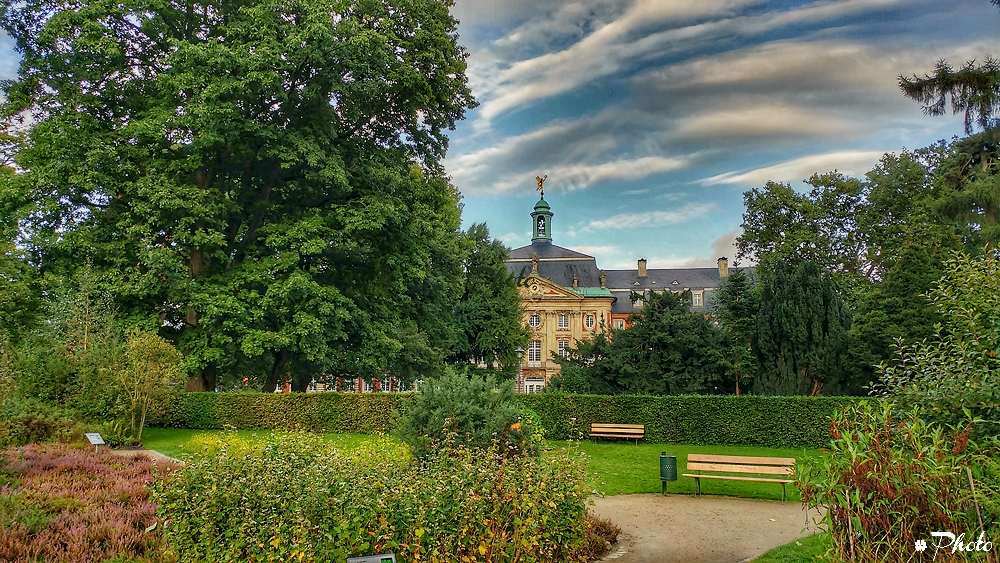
x=541, y=220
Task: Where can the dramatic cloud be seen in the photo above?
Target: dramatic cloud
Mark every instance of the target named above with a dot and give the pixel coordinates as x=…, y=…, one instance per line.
x=850, y=163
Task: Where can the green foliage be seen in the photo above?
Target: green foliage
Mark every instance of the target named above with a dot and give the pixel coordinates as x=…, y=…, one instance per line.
x=460, y=411
x=667, y=350
x=27, y=421
x=810, y=549
x=489, y=312
x=972, y=89
x=365, y=413
x=262, y=181
x=959, y=369
x=694, y=419
x=737, y=303
x=889, y=482
x=297, y=498
x=802, y=332
x=152, y=369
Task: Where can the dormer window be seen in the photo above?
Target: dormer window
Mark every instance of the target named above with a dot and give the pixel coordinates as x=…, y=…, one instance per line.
x=675, y=282
x=637, y=283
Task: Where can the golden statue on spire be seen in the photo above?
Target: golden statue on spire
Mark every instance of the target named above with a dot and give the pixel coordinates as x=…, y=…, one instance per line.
x=541, y=183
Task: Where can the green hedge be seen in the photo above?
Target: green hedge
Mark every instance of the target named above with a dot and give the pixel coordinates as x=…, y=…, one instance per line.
x=695, y=419
x=686, y=419
x=361, y=413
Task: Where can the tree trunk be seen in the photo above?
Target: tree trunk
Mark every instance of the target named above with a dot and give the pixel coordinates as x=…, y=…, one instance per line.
x=737, y=384
x=300, y=381
x=276, y=372
x=817, y=387
x=207, y=377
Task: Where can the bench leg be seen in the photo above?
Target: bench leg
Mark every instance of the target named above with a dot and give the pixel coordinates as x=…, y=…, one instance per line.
x=697, y=483
x=782, y=492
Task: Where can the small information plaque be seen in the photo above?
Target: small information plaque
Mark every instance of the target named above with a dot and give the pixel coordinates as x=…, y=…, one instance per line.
x=95, y=438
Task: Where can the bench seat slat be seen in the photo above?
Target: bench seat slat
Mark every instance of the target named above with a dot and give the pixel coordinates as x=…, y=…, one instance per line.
x=601, y=425
x=618, y=431
x=742, y=459
x=734, y=478
x=734, y=468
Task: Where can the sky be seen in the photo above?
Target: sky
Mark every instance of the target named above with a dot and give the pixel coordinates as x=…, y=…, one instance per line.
x=652, y=117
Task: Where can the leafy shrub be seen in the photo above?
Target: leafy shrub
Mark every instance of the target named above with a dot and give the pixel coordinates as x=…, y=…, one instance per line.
x=687, y=419
x=774, y=422
x=67, y=505
x=298, y=499
x=469, y=412
x=25, y=421
x=355, y=413
x=152, y=369
x=960, y=369
x=887, y=483
x=598, y=538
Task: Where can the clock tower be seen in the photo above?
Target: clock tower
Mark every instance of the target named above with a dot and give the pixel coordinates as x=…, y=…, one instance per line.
x=541, y=220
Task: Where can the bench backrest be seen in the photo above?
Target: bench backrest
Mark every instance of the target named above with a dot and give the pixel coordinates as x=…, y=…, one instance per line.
x=741, y=464
x=600, y=428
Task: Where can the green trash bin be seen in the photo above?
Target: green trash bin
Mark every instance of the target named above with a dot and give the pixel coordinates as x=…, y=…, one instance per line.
x=668, y=470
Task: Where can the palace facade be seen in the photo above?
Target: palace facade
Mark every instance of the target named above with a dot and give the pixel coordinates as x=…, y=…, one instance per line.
x=567, y=298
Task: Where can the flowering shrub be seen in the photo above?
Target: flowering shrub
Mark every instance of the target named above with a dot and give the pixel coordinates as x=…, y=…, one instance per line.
x=59, y=504
x=298, y=499
x=888, y=483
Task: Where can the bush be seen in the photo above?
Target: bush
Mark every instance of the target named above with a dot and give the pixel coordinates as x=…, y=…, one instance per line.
x=471, y=413
x=25, y=421
x=773, y=422
x=888, y=483
x=299, y=500
x=360, y=413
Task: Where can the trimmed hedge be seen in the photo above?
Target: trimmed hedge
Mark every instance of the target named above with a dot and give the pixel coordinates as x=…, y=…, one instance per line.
x=357, y=413
x=687, y=419
x=749, y=420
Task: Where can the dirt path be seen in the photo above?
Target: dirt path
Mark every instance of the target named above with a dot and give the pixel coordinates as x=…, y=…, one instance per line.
x=681, y=528
x=151, y=454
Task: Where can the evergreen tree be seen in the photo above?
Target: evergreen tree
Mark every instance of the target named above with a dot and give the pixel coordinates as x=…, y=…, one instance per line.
x=802, y=335
x=488, y=315
x=737, y=304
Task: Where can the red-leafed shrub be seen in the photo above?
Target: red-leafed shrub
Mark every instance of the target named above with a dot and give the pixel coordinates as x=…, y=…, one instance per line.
x=59, y=504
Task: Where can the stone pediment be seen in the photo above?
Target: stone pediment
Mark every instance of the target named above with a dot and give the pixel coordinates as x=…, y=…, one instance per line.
x=540, y=287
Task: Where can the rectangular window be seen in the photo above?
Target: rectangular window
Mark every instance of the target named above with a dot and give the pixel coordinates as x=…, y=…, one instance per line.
x=535, y=353
x=563, y=321
x=533, y=385
x=368, y=386
x=620, y=324
x=696, y=300
x=564, y=348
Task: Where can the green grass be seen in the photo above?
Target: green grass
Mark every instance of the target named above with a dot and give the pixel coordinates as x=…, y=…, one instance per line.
x=617, y=468
x=175, y=442
x=809, y=549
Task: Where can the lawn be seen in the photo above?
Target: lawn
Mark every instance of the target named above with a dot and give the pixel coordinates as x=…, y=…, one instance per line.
x=618, y=468
x=805, y=550
x=614, y=468
x=176, y=442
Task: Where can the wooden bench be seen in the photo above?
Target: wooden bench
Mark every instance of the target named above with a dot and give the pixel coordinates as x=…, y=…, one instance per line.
x=627, y=431
x=783, y=466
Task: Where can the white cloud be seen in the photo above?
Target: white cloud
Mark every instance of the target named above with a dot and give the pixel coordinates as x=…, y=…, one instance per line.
x=654, y=218
x=850, y=163
x=763, y=119
x=594, y=250
x=631, y=39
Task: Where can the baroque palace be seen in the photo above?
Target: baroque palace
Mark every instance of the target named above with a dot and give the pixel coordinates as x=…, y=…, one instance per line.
x=566, y=297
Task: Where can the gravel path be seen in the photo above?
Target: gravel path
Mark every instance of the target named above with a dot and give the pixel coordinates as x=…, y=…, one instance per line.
x=151, y=454
x=681, y=528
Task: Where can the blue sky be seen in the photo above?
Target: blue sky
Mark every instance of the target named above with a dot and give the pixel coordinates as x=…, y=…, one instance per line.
x=651, y=117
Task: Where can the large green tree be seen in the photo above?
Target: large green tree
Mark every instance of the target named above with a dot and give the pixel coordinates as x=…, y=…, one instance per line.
x=260, y=179
x=666, y=350
x=802, y=333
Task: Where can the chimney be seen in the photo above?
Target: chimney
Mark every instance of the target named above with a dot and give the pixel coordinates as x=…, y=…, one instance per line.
x=723, y=267
x=642, y=267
